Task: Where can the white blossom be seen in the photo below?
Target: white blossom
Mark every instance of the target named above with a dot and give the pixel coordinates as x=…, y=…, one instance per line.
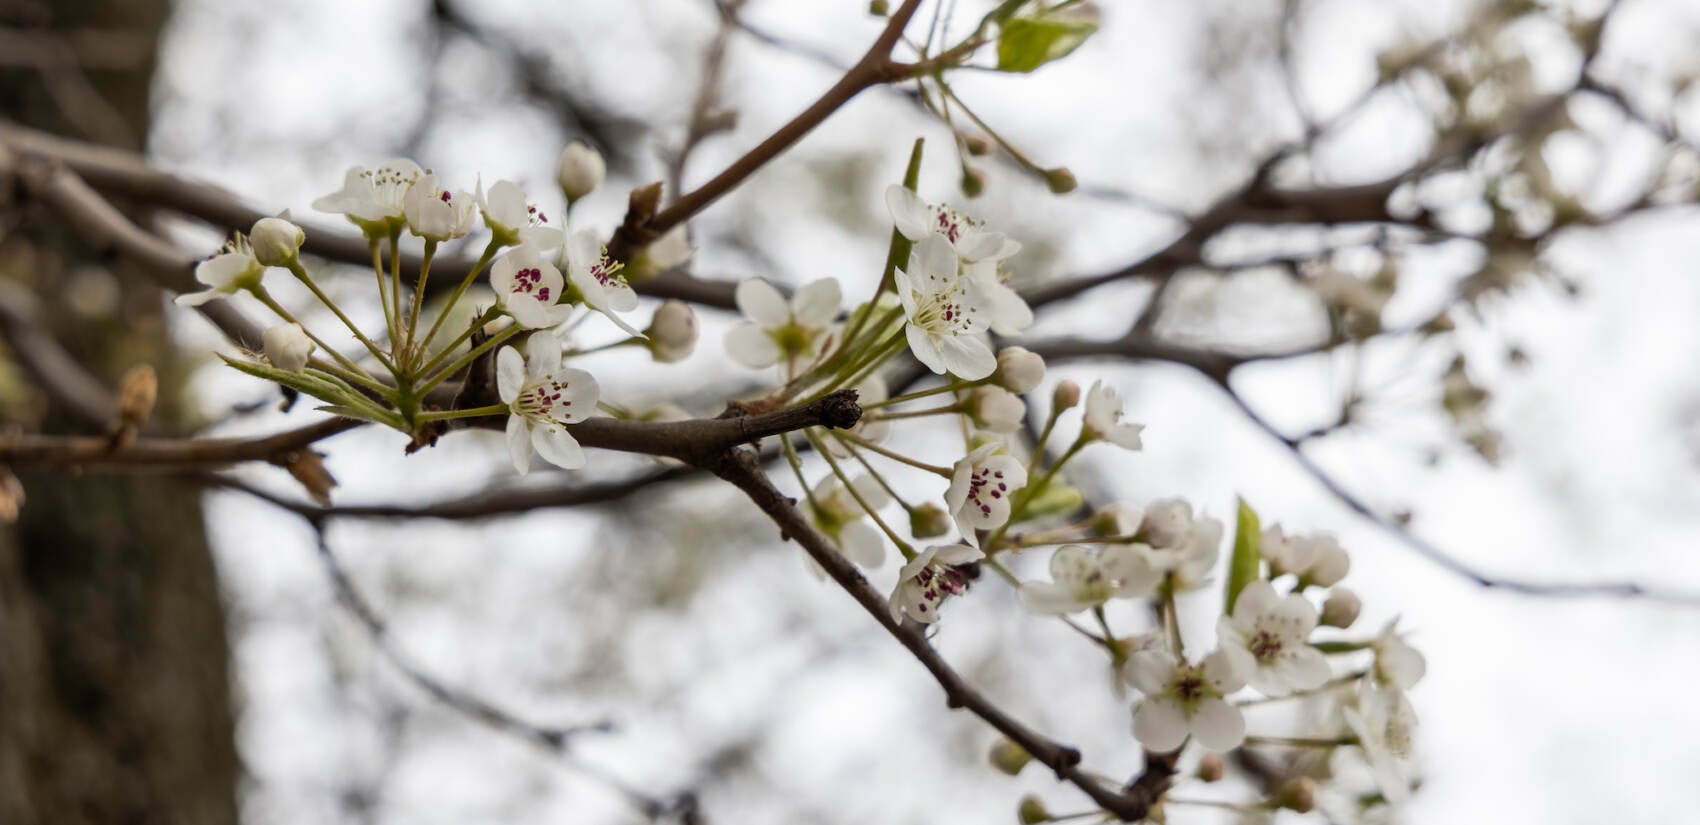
x=542, y=397
x=925, y=582
x=1385, y=724
x=1397, y=664
x=597, y=280
x=981, y=485
x=512, y=219
x=1083, y=578
x=1316, y=559
x=230, y=271
x=837, y=515
x=579, y=171
x=435, y=213
x=287, y=346
x=798, y=330
x=1104, y=419
x=1268, y=638
x=945, y=312
x=1166, y=523
x=528, y=288
x=373, y=198
x=1187, y=565
x=1183, y=698
x=1007, y=313
x=917, y=220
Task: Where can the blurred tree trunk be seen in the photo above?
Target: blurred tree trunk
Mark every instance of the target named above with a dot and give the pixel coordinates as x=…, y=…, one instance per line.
x=114, y=685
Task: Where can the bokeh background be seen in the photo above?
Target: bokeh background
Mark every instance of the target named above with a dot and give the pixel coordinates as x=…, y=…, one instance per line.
x=728, y=669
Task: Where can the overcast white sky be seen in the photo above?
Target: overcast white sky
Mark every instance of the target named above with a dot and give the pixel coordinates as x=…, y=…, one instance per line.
x=710, y=643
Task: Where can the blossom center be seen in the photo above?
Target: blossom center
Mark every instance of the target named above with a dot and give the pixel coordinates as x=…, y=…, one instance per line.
x=945, y=313
x=985, y=488
x=528, y=281
x=937, y=582
x=1265, y=644
x=951, y=225
x=544, y=401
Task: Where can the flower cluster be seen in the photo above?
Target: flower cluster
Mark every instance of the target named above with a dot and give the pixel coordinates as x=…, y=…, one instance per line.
x=541, y=280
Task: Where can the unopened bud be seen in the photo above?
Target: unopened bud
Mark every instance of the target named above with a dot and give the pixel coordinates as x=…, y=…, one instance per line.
x=1330, y=566
x=287, y=347
x=976, y=145
x=580, y=170
x=1341, y=608
x=973, y=181
x=673, y=332
x=1019, y=370
x=1211, y=768
x=1008, y=757
x=996, y=409
x=1297, y=794
x=1032, y=811
x=1056, y=500
x=276, y=241
x=929, y=520
x=879, y=8
x=662, y=254
x=1065, y=396
x=137, y=393
x=1060, y=180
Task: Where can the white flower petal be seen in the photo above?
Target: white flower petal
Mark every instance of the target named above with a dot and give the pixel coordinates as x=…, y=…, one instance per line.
x=1159, y=724
x=816, y=304
x=926, y=350
x=1050, y=599
x=1218, y=725
x=510, y=374
x=1150, y=671
x=908, y=212
x=557, y=446
x=751, y=346
x=519, y=443
x=761, y=302
x=967, y=358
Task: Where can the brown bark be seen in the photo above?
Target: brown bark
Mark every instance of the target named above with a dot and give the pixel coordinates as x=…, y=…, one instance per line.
x=114, y=666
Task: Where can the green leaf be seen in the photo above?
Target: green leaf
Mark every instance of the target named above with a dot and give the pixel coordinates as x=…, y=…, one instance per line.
x=1243, y=568
x=1026, y=43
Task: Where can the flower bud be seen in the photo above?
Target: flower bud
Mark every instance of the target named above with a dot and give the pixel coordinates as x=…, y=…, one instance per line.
x=1065, y=396
x=1008, y=757
x=1211, y=768
x=1060, y=180
x=1032, y=811
x=580, y=170
x=1166, y=523
x=673, y=332
x=1297, y=794
x=1019, y=370
x=662, y=254
x=1341, y=608
x=996, y=409
x=928, y=521
x=1330, y=566
x=879, y=8
x=287, y=346
x=973, y=181
x=276, y=241
x=977, y=145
